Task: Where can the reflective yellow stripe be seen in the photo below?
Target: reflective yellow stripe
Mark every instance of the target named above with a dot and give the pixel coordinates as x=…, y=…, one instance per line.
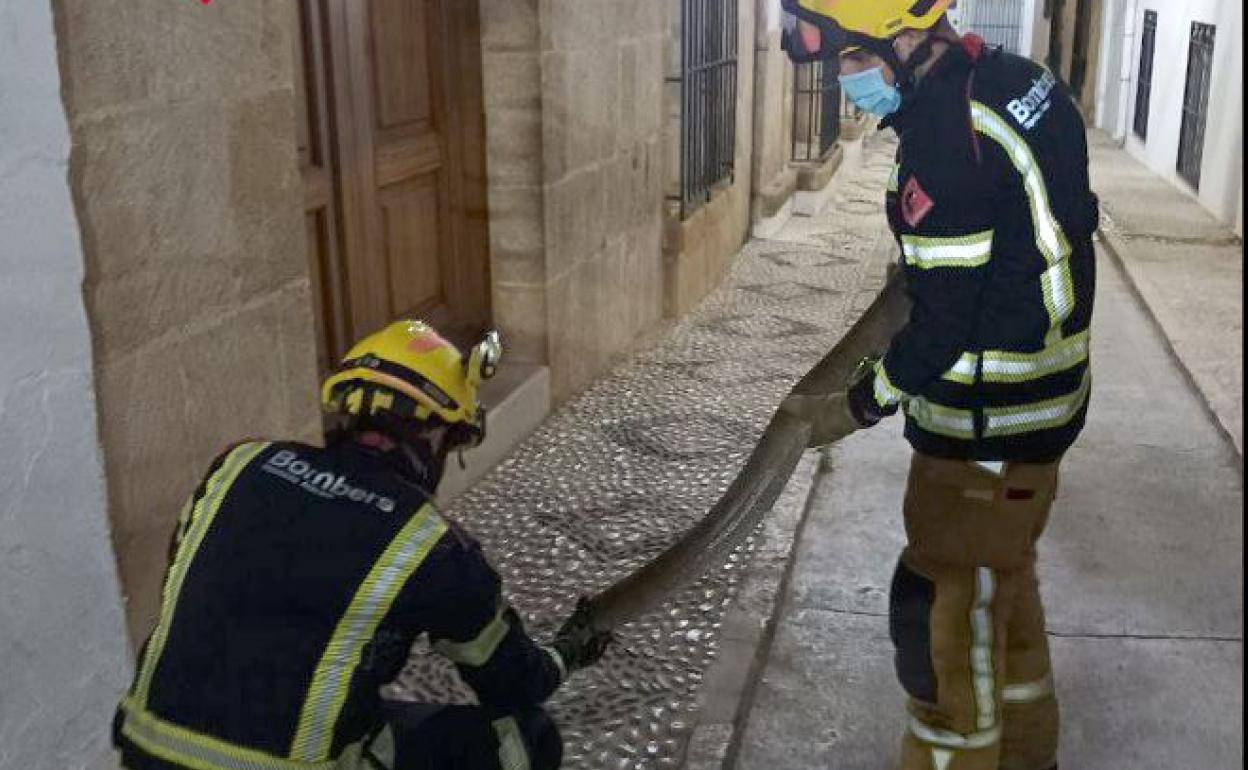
x=372, y=601
x=478, y=651
x=886, y=393
x=1020, y=367
x=201, y=518
x=559, y=664
x=513, y=754
x=927, y=253
x=1004, y=366
x=943, y=420
x=894, y=179
x=1050, y=238
x=1042, y=415
x=964, y=370
x=1058, y=284
x=187, y=748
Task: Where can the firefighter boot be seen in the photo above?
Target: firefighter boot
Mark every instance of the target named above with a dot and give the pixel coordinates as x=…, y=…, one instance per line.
x=968, y=564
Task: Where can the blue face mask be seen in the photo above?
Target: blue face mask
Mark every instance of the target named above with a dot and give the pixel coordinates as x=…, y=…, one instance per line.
x=871, y=93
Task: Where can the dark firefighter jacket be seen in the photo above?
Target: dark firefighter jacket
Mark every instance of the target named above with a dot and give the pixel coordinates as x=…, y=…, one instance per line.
x=300, y=577
x=991, y=205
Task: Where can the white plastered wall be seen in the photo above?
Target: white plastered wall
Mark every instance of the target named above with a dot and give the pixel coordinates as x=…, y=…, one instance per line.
x=63, y=649
x=1221, y=183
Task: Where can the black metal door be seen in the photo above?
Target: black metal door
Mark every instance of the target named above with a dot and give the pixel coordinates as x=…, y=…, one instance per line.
x=1144, y=88
x=1079, y=46
x=1053, y=10
x=1196, y=102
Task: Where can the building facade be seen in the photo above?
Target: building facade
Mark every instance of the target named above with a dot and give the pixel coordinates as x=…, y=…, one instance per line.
x=203, y=204
x=1170, y=89
x=1161, y=76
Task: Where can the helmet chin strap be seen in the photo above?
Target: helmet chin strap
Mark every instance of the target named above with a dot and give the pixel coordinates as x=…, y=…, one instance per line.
x=905, y=72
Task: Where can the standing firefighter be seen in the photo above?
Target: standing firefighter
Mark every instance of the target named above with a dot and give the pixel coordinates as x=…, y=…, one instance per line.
x=300, y=578
x=991, y=205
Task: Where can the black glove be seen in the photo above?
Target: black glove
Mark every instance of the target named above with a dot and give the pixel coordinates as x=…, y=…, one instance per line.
x=861, y=396
x=578, y=643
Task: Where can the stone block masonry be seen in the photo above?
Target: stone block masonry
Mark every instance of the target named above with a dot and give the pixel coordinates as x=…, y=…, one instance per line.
x=190, y=206
x=573, y=93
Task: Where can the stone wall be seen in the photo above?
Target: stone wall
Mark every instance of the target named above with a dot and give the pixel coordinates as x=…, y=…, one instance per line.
x=573, y=103
x=699, y=248
x=190, y=205
x=63, y=653
x=774, y=180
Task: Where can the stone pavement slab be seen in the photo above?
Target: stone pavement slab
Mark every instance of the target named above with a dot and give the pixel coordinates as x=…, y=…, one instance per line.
x=1142, y=569
x=623, y=470
x=1188, y=269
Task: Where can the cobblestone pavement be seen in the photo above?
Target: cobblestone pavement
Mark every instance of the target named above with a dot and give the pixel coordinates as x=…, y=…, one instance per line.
x=623, y=470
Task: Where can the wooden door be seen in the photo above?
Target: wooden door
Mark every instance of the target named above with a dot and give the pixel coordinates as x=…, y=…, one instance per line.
x=392, y=142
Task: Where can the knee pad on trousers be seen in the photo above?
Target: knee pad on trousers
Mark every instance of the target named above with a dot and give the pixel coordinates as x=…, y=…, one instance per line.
x=909, y=625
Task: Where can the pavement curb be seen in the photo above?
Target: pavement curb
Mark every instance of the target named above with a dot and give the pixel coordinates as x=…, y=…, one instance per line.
x=749, y=625
x=1116, y=247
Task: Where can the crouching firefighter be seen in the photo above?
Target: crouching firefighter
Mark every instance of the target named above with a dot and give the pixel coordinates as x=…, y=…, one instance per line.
x=300, y=578
x=991, y=205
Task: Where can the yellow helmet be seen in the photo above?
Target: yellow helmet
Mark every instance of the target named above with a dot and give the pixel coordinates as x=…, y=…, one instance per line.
x=407, y=370
x=879, y=19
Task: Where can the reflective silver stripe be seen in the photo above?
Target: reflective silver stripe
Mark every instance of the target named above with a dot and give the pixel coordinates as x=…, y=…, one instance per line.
x=934, y=418
x=1058, y=288
x=1019, y=367
x=1057, y=283
x=328, y=691
x=1039, y=416
x=512, y=753
x=1050, y=238
x=1029, y=692
x=894, y=178
x=181, y=746
x=964, y=370
x=1003, y=366
x=983, y=676
x=961, y=251
x=949, y=739
x=886, y=393
x=200, y=521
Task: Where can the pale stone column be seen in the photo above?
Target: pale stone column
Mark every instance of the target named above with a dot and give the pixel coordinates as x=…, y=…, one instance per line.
x=573, y=103
x=190, y=205
x=63, y=656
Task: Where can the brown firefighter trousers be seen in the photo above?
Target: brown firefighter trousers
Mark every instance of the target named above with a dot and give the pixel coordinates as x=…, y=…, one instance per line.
x=967, y=620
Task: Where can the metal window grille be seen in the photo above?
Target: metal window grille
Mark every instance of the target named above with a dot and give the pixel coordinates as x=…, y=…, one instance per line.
x=1196, y=102
x=998, y=22
x=1144, y=88
x=708, y=98
x=816, y=111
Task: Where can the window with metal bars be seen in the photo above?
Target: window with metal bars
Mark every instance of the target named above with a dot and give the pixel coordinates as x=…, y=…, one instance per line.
x=1196, y=102
x=708, y=98
x=816, y=111
x=1144, y=88
x=998, y=22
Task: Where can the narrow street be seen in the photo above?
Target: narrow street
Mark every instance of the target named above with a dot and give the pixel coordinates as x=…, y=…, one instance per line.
x=1141, y=568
